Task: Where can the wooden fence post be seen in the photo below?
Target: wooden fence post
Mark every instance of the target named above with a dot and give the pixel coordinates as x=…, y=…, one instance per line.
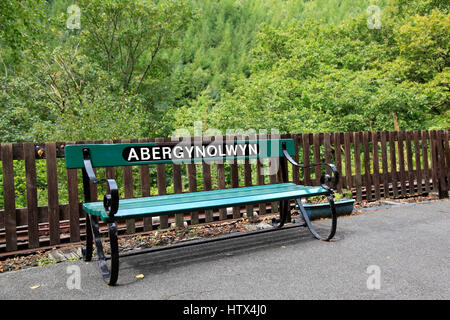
x=145, y=188
x=52, y=192
x=367, y=174
x=441, y=167
x=128, y=190
x=394, y=176
x=384, y=164
x=207, y=183
x=358, y=178
x=32, y=201
x=177, y=188
x=376, y=164
x=9, y=196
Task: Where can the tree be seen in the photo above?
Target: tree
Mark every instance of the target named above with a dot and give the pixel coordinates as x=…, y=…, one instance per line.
x=126, y=36
x=95, y=83
x=20, y=21
x=311, y=77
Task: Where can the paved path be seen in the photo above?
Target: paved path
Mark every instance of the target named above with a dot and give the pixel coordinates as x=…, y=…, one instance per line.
x=410, y=245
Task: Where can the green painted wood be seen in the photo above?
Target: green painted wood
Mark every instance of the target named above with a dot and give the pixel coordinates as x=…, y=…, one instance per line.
x=187, y=202
x=110, y=155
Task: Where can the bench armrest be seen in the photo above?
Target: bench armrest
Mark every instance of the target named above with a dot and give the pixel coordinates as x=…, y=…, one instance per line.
x=111, y=199
x=325, y=179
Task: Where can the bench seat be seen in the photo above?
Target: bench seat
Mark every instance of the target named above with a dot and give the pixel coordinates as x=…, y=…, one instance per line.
x=193, y=201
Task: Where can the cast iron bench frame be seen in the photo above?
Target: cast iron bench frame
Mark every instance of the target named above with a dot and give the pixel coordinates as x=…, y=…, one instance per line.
x=111, y=199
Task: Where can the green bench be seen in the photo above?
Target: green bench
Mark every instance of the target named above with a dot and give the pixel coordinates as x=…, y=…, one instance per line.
x=90, y=156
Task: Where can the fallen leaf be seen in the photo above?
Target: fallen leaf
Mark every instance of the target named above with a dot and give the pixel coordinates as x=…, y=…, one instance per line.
x=35, y=287
x=283, y=247
x=140, y=276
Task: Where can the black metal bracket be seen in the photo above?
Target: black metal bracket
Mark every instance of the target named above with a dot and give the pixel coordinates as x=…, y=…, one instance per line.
x=110, y=200
x=305, y=217
x=327, y=182
x=325, y=178
x=111, y=205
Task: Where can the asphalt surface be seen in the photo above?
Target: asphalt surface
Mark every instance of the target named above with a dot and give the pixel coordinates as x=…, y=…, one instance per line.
x=409, y=246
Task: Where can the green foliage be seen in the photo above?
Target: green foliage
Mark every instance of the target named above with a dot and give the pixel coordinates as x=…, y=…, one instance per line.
x=95, y=83
x=126, y=36
x=142, y=68
x=20, y=22
x=311, y=77
x=46, y=261
x=424, y=45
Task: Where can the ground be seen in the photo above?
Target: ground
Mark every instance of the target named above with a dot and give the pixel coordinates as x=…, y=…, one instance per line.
x=407, y=245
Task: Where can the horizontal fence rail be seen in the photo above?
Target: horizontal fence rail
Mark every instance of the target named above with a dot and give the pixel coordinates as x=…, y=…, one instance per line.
x=40, y=200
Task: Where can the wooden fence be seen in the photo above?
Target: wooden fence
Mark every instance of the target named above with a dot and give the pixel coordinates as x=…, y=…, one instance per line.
x=41, y=204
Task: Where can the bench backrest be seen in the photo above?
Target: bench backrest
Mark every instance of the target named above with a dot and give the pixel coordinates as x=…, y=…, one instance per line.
x=129, y=154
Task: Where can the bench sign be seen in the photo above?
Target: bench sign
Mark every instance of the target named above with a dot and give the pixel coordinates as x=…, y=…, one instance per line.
x=180, y=152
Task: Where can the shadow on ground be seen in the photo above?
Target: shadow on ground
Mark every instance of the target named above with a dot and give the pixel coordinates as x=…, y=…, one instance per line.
x=160, y=262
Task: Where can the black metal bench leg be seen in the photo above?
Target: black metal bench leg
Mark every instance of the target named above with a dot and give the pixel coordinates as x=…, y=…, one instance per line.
x=284, y=212
x=308, y=222
x=86, y=251
x=111, y=274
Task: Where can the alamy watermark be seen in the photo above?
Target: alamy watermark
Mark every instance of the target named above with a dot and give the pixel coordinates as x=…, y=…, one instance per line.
x=214, y=143
x=374, y=280
x=74, y=20
x=374, y=21
x=74, y=279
